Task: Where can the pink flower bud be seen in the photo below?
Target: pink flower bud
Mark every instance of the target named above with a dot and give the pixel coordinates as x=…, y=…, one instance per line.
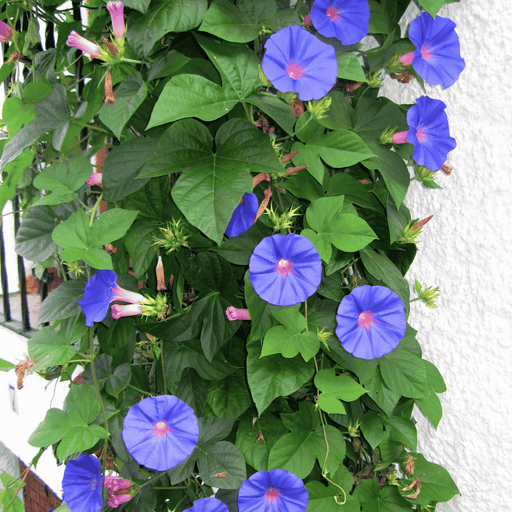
x=307, y=21
x=77, y=41
x=126, y=295
x=400, y=138
x=406, y=60
x=95, y=179
x=5, y=32
x=116, y=13
x=119, y=311
x=237, y=314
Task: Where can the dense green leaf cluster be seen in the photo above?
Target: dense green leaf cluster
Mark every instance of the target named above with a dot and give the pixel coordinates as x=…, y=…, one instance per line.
x=192, y=125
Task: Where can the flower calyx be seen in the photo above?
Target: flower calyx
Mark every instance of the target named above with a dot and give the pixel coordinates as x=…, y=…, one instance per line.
x=318, y=108
x=428, y=295
x=173, y=239
x=282, y=222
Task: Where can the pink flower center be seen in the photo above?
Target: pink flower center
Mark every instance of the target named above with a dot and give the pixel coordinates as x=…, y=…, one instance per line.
x=284, y=267
x=426, y=53
x=271, y=494
x=366, y=319
x=295, y=70
x=421, y=134
x=332, y=13
x=160, y=428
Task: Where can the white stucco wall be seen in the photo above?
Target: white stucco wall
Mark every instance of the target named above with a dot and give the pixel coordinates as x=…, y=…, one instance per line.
x=465, y=250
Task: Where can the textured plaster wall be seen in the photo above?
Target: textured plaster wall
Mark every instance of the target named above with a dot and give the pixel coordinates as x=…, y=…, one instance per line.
x=465, y=249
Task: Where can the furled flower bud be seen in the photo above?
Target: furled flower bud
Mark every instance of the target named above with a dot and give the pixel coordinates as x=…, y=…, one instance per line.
x=412, y=230
x=237, y=314
x=115, y=486
x=116, y=13
x=307, y=21
x=81, y=43
x=160, y=277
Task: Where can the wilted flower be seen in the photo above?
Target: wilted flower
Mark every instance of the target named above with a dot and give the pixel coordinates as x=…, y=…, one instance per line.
x=77, y=41
x=273, y=491
x=285, y=270
x=437, y=55
x=160, y=275
x=5, y=32
x=116, y=13
x=346, y=20
x=244, y=215
x=429, y=131
x=371, y=322
x=114, y=484
x=82, y=484
x=297, y=61
x=102, y=289
x=160, y=432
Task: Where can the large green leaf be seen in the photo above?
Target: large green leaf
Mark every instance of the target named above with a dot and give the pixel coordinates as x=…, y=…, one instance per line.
x=222, y=465
x=353, y=191
x=129, y=95
x=229, y=397
x=276, y=108
x=162, y=17
x=192, y=96
x=34, y=238
x=379, y=392
x=62, y=302
x=13, y=174
x=380, y=267
x=297, y=451
x=52, y=113
x=63, y=179
x=212, y=183
x=292, y=339
x=80, y=241
x=349, y=68
x=340, y=148
x=237, y=24
x=273, y=376
x=335, y=389
x=236, y=64
x=256, y=437
x=348, y=233
x=140, y=243
x=49, y=347
x=188, y=354
x=404, y=373
x=71, y=428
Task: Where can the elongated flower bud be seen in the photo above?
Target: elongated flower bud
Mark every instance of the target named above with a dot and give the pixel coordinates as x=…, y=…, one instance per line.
x=81, y=43
x=237, y=314
x=116, y=13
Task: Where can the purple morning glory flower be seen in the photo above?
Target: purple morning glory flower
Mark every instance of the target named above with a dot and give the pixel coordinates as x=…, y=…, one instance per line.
x=208, y=505
x=346, y=20
x=100, y=290
x=429, y=132
x=371, y=321
x=160, y=432
x=437, y=56
x=82, y=484
x=244, y=215
x=285, y=270
x=273, y=491
x=297, y=61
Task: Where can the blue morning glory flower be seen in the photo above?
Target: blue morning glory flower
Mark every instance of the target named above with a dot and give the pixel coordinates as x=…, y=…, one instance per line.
x=297, y=61
x=243, y=216
x=371, y=321
x=429, y=131
x=208, y=505
x=437, y=55
x=273, y=491
x=346, y=20
x=285, y=270
x=160, y=432
x=100, y=290
x=82, y=484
